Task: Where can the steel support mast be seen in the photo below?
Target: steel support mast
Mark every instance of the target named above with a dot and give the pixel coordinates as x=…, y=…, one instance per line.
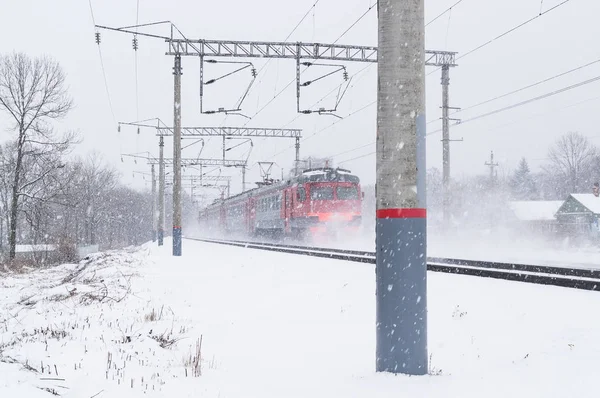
x=161, y=190
x=177, y=158
x=445, y=144
x=491, y=164
x=401, y=268
x=153, y=203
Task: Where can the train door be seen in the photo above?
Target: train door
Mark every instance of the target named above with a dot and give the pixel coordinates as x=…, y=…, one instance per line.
x=247, y=218
x=252, y=215
x=288, y=211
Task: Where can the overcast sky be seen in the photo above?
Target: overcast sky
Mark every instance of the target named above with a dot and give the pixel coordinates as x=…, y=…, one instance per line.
x=556, y=42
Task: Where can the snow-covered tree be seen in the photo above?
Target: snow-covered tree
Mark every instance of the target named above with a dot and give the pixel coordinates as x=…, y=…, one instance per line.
x=33, y=94
x=522, y=183
x=572, y=163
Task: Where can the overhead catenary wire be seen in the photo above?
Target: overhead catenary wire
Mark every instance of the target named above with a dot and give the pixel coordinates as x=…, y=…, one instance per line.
x=293, y=80
x=137, y=97
x=103, y=69
x=449, y=9
x=312, y=8
x=135, y=48
x=360, y=74
x=355, y=22
x=357, y=157
x=330, y=125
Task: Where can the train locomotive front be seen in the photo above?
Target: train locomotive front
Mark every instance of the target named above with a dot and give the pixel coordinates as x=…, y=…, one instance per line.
x=315, y=205
x=329, y=204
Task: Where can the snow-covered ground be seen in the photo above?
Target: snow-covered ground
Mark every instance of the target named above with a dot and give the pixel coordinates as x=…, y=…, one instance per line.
x=278, y=325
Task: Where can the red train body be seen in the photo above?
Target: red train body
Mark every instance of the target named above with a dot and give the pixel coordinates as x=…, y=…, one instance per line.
x=318, y=201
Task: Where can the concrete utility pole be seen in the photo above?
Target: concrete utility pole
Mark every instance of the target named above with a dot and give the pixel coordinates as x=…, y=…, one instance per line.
x=177, y=158
x=401, y=228
x=153, y=204
x=161, y=190
x=491, y=165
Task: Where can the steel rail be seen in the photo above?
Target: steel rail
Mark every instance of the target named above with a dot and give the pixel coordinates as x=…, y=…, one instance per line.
x=577, y=278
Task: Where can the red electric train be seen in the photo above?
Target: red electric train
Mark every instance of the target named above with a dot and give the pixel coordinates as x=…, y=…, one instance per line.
x=317, y=202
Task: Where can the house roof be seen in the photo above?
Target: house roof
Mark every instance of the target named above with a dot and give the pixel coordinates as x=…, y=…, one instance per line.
x=589, y=201
x=34, y=248
x=535, y=210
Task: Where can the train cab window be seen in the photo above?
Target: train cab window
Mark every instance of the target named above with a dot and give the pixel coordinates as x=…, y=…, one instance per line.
x=301, y=194
x=347, y=193
x=321, y=193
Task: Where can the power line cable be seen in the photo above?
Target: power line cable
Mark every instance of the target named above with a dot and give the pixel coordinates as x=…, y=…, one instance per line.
x=518, y=104
x=521, y=89
x=503, y=109
x=506, y=33
x=553, y=111
x=512, y=30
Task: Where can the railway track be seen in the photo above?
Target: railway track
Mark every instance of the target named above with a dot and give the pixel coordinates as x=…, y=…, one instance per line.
x=576, y=278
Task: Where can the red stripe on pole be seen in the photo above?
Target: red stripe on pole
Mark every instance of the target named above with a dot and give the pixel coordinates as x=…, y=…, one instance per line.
x=402, y=213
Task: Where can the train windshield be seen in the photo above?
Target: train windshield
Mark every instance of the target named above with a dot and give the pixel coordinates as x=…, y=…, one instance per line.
x=321, y=193
x=347, y=193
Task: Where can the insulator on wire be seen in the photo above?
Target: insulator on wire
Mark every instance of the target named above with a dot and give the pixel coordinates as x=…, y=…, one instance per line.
x=122, y=161
x=138, y=131
x=254, y=72
x=135, y=43
x=345, y=75
x=119, y=128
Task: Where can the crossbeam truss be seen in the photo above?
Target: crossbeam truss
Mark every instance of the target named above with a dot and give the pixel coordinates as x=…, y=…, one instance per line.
x=201, y=162
x=205, y=178
x=232, y=132
x=290, y=50
x=202, y=48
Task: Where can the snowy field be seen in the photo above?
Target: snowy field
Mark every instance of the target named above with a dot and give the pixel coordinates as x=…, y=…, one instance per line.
x=128, y=324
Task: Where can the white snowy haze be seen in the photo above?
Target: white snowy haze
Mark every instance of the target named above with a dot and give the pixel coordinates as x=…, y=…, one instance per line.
x=503, y=48
x=122, y=317
x=551, y=44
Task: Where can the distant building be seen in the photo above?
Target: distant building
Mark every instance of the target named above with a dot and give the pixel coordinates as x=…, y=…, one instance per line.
x=579, y=215
x=48, y=254
x=536, y=215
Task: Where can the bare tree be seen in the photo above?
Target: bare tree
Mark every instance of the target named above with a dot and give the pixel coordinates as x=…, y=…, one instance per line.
x=571, y=163
x=98, y=184
x=33, y=93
